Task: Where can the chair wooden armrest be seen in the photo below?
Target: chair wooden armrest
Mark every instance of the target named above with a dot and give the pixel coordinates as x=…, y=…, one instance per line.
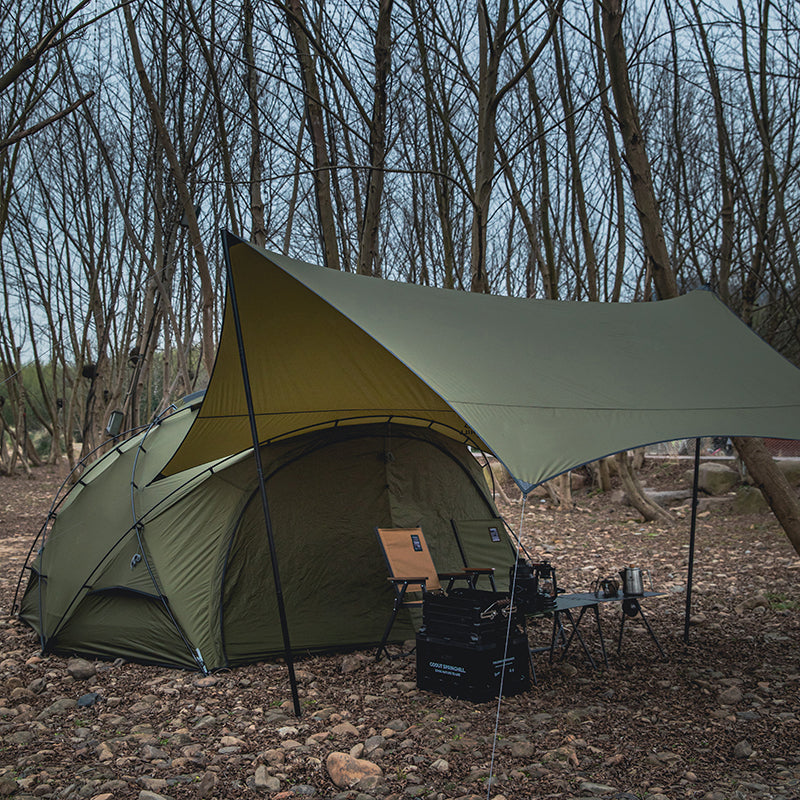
x=475, y=572
x=403, y=585
x=459, y=575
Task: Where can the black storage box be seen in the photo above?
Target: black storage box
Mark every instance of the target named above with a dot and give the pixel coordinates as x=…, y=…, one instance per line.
x=472, y=671
x=468, y=615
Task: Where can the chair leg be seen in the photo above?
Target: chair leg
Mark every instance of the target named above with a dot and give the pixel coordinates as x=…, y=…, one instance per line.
x=398, y=602
x=382, y=645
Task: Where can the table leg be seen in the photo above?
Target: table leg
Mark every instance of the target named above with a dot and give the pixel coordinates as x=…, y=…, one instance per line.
x=652, y=634
x=596, y=608
x=575, y=624
x=634, y=605
x=556, y=624
x=627, y=604
x=558, y=632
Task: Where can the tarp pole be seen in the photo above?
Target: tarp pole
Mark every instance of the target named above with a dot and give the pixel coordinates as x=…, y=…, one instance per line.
x=692, y=530
x=287, y=648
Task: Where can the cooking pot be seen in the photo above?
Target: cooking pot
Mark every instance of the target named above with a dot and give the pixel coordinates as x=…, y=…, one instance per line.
x=632, y=580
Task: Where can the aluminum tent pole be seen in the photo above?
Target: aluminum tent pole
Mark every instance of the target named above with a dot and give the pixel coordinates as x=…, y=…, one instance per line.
x=287, y=648
x=692, y=530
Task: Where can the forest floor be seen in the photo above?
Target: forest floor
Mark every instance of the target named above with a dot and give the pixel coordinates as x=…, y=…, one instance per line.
x=719, y=719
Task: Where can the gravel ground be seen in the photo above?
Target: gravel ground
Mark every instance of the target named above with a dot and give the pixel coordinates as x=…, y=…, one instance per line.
x=719, y=719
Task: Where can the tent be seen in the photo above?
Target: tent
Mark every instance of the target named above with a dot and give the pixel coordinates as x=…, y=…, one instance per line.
x=307, y=353
x=177, y=572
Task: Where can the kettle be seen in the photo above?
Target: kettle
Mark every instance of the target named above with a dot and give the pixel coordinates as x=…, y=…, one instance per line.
x=632, y=580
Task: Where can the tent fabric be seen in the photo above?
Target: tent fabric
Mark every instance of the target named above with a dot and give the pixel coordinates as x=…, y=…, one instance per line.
x=545, y=385
x=187, y=579
x=97, y=514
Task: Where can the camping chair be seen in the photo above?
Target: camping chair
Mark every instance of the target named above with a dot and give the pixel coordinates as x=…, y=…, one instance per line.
x=411, y=569
x=485, y=542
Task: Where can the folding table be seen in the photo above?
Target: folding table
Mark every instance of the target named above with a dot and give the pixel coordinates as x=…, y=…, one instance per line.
x=566, y=603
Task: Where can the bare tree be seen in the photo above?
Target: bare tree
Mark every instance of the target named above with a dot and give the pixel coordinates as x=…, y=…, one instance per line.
x=315, y=121
x=51, y=36
x=377, y=141
x=641, y=178
x=493, y=38
x=773, y=483
x=259, y=233
x=182, y=188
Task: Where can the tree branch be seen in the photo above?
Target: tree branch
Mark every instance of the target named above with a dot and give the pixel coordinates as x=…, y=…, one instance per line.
x=38, y=50
x=17, y=137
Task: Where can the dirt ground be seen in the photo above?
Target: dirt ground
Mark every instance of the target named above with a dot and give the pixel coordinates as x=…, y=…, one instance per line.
x=719, y=719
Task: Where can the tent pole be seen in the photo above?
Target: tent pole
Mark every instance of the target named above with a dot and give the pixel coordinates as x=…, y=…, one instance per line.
x=693, y=528
x=226, y=236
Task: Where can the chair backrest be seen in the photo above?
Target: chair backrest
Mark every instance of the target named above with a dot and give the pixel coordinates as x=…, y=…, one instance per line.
x=485, y=543
x=407, y=555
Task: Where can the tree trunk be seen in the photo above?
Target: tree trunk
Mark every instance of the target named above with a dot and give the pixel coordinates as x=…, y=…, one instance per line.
x=656, y=255
x=726, y=210
x=438, y=140
x=222, y=131
x=565, y=83
x=4, y=456
x=548, y=267
x=21, y=422
x=258, y=233
x=565, y=501
x=615, y=166
x=367, y=252
x=762, y=117
x=528, y=223
x=647, y=508
x=490, y=50
x=774, y=485
x=316, y=128
x=182, y=188
x=603, y=475
x=552, y=492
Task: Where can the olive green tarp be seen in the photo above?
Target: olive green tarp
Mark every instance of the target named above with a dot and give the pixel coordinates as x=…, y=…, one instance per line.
x=545, y=385
x=177, y=571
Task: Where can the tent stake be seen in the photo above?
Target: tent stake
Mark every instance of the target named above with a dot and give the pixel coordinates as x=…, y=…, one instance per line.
x=691, y=541
x=226, y=238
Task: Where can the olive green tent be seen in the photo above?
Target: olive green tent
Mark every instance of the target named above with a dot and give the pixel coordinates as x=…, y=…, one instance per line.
x=177, y=571
x=362, y=395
